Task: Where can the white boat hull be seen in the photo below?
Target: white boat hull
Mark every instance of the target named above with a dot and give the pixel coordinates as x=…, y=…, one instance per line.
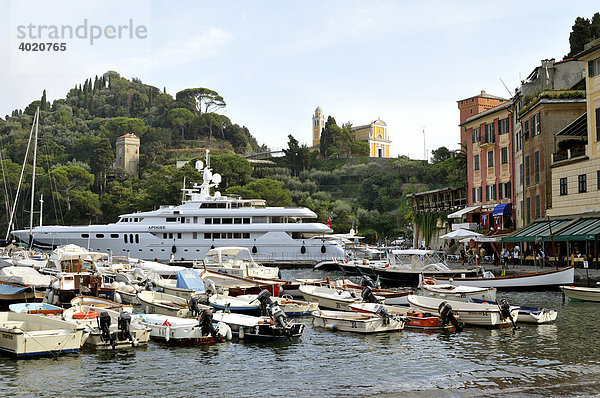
x=335, y=299
x=355, y=322
x=164, y=304
x=582, y=293
x=564, y=276
x=24, y=335
x=459, y=292
x=486, y=315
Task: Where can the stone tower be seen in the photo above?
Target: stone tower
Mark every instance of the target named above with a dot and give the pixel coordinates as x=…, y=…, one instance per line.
x=318, y=125
x=128, y=153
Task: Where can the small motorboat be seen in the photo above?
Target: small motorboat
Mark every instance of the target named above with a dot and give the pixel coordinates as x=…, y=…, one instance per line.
x=537, y=315
x=357, y=322
x=414, y=319
x=272, y=327
x=582, y=293
x=289, y=305
x=108, y=329
x=26, y=335
x=476, y=314
x=182, y=331
x=335, y=298
x=167, y=304
x=236, y=261
x=241, y=304
x=36, y=308
x=392, y=297
x=100, y=303
x=457, y=292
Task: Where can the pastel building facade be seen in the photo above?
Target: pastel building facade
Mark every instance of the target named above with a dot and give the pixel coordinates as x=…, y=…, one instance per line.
x=128, y=153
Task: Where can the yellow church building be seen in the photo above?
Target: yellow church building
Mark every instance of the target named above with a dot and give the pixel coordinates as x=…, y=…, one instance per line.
x=374, y=133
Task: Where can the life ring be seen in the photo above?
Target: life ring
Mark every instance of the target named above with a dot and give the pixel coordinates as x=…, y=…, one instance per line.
x=428, y=282
x=85, y=315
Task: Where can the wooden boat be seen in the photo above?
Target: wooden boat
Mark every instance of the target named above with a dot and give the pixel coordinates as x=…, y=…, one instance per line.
x=36, y=308
x=25, y=335
x=240, y=304
x=165, y=304
x=457, y=292
x=357, y=322
x=582, y=293
x=236, y=285
x=414, y=319
x=330, y=297
x=100, y=303
x=537, y=315
x=262, y=328
x=289, y=305
x=16, y=294
x=532, y=280
x=181, y=331
x=392, y=297
x=476, y=314
x=107, y=329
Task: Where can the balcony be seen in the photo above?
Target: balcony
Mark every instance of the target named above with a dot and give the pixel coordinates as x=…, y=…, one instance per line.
x=568, y=154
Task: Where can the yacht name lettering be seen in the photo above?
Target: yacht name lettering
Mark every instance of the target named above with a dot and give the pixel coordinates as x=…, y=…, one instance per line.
x=156, y=227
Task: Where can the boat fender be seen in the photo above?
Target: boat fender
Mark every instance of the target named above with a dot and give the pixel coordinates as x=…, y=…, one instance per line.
x=303, y=249
x=167, y=333
x=173, y=249
x=428, y=282
x=254, y=249
x=241, y=332
x=323, y=249
x=228, y=333
x=118, y=298
x=50, y=297
x=147, y=309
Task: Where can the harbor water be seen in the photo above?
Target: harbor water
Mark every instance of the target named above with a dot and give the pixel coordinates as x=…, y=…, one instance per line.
x=556, y=359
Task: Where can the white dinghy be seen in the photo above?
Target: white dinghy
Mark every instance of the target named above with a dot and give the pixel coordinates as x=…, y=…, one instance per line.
x=357, y=322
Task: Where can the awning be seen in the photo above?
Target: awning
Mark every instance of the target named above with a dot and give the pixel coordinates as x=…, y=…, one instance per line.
x=537, y=230
x=502, y=209
x=462, y=212
x=582, y=229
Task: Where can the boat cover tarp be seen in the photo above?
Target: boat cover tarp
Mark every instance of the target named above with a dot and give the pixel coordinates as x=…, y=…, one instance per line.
x=6, y=290
x=189, y=279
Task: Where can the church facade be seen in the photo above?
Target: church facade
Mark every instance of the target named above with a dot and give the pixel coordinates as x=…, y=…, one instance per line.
x=375, y=134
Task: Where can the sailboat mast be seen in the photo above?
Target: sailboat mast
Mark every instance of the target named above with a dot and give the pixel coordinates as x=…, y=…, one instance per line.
x=14, y=208
x=37, y=118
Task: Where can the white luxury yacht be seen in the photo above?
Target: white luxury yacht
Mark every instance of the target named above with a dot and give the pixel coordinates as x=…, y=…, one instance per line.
x=202, y=222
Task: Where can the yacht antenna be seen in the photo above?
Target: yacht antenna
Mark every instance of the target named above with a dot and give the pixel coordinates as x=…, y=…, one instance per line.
x=41, y=207
x=207, y=158
x=183, y=191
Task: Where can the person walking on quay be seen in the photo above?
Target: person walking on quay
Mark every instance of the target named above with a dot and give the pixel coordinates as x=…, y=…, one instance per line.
x=462, y=256
x=516, y=253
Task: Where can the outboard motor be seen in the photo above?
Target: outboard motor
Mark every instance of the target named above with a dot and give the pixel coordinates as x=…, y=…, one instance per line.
x=368, y=296
x=194, y=307
x=264, y=298
x=366, y=281
x=124, y=326
x=209, y=287
x=505, y=312
x=104, y=322
x=205, y=321
x=382, y=312
x=446, y=316
x=149, y=286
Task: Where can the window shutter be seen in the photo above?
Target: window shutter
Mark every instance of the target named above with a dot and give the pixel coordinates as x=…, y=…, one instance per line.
x=590, y=68
x=597, y=124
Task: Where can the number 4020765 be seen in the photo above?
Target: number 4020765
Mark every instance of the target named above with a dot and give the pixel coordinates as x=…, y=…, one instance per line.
x=42, y=46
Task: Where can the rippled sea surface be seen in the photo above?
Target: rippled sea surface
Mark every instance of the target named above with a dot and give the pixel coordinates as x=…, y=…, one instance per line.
x=559, y=359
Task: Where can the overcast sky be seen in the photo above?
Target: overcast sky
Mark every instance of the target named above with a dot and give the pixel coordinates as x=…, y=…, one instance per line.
x=274, y=62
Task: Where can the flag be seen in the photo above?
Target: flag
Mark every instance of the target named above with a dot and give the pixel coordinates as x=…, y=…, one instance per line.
x=330, y=220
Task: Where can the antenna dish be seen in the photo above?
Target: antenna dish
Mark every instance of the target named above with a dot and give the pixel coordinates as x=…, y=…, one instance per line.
x=207, y=175
x=216, y=178
x=199, y=165
x=217, y=194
